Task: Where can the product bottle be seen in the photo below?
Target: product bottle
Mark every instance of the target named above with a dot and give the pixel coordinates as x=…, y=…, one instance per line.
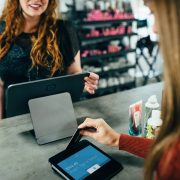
x=135, y=119
x=151, y=104
x=153, y=124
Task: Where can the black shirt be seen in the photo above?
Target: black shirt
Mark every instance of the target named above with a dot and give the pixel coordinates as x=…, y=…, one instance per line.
x=15, y=65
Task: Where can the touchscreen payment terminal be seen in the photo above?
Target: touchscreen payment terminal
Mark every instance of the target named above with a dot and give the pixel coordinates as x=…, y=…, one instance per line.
x=84, y=160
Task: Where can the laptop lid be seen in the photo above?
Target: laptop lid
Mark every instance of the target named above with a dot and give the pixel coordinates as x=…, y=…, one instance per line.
x=17, y=95
x=52, y=117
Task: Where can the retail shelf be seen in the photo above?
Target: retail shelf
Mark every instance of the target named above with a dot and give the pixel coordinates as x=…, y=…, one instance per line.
x=100, y=61
x=128, y=85
x=119, y=70
x=111, y=89
x=106, y=38
x=106, y=56
x=107, y=65
x=88, y=23
x=116, y=87
x=107, y=89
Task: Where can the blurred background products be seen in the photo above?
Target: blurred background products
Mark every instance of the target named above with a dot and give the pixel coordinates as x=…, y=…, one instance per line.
x=150, y=105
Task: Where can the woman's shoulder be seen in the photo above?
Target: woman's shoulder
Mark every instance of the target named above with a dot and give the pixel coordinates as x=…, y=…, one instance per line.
x=2, y=26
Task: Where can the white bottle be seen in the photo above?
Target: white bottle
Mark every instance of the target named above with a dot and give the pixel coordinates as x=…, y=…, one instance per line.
x=153, y=124
x=101, y=5
x=89, y=5
x=151, y=104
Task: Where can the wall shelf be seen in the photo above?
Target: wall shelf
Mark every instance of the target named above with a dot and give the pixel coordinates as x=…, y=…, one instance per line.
x=106, y=38
x=106, y=56
x=88, y=23
x=103, y=43
x=111, y=89
x=119, y=70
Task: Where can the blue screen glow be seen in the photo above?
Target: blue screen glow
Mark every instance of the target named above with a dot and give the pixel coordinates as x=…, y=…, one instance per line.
x=83, y=163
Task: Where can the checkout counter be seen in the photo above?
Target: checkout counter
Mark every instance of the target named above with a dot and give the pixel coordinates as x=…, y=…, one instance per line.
x=22, y=158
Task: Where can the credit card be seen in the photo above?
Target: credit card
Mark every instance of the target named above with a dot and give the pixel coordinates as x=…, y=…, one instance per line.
x=77, y=136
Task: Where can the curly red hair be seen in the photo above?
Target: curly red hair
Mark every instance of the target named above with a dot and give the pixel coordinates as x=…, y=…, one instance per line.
x=44, y=45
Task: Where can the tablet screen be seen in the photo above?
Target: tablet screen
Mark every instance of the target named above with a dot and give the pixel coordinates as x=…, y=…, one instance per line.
x=84, y=162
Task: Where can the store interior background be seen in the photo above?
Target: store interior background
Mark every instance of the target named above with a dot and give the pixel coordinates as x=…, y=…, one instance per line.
x=118, y=70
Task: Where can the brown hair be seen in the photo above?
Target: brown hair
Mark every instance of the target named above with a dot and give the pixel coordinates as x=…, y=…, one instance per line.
x=167, y=14
x=43, y=46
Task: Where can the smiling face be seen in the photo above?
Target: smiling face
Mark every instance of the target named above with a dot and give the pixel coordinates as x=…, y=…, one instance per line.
x=33, y=8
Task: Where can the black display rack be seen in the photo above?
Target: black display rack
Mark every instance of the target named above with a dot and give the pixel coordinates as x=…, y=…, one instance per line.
x=106, y=38
x=106, y=56
x=101, y=60
x=88, y=23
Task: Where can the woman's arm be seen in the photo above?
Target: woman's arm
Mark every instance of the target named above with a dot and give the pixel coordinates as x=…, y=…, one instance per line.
x=104, y=134
x=138, y=146
x=75, y=67
x=91, y=81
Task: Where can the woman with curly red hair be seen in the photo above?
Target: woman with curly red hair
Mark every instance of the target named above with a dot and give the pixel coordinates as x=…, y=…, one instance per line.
x=35, y=45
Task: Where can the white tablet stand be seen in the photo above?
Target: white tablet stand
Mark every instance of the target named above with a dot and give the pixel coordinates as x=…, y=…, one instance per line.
x=53, y=117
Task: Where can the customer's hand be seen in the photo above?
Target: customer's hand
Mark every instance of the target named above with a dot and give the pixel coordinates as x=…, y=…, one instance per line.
x=91, y=82
x=104, y=134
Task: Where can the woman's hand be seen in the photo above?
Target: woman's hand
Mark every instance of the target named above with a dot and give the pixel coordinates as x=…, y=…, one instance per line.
x=104, y=134
x=91, y=82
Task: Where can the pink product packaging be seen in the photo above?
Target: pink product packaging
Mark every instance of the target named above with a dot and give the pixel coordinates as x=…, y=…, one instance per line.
x=135, y=119
x=98, y=15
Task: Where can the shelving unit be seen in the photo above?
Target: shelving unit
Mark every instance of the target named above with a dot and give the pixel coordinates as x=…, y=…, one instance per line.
x=119, y=70
x=111, y=77
x=88, y=23
x=105, y=38
x=106, y=56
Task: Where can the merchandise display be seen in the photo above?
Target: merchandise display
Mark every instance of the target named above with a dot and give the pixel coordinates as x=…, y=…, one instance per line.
x=110, y=48
x=98, y=15
x=106, y=30
x=104, y=50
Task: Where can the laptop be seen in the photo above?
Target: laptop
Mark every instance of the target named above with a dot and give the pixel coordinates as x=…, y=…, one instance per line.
x=18, y=95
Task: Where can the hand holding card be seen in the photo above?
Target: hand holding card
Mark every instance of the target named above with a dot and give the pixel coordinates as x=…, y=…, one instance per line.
x=77, y=136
